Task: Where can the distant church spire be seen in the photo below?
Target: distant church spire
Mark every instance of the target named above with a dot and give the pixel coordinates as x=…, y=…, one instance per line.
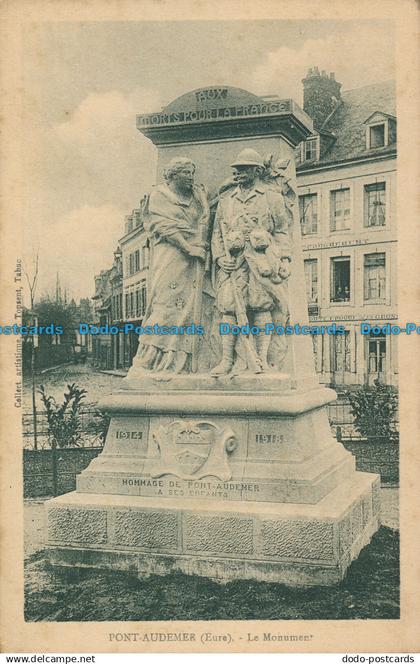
x=58, y=298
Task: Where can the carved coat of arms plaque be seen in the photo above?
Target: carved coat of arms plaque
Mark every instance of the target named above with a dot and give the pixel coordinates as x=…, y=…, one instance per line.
x=192, y=450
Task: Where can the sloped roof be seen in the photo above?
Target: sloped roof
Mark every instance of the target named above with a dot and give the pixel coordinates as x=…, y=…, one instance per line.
x=346, y=123
x=378, y=116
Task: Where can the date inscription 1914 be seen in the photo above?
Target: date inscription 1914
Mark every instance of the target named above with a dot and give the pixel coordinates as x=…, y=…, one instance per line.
x=129, y=435
x=273, y=438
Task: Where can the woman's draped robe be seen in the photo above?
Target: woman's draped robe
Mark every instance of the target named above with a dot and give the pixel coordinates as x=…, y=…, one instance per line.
x=172, y=286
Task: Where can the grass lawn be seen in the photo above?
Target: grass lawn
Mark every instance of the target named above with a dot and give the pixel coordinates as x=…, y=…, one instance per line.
x=370, y=590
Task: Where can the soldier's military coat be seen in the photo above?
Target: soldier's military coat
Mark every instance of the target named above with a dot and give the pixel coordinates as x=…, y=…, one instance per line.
x=262, y=206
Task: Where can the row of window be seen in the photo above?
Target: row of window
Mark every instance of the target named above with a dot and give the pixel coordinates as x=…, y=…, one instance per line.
x=374, y=279
x=135, y=301
x=137, y=260
x=117, y=307
x=340, y=209
x=340, y=355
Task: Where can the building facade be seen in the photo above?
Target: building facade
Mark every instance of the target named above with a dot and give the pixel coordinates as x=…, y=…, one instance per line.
x=347, y=205
x=102, y=343
x=135, y=263
x=120, y=298
x=119, y=346
x=109, y=351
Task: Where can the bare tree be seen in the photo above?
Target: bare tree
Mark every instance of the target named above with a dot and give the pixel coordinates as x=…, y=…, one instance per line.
x=32, y=284
x=32, y=279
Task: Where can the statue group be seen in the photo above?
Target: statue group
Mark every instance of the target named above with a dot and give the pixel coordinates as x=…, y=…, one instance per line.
x=228, y=259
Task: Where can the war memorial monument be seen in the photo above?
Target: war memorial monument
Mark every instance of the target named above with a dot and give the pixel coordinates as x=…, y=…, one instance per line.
x=219, y=460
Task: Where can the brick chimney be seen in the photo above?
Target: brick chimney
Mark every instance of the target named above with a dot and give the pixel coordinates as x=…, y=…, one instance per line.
x=321, y=94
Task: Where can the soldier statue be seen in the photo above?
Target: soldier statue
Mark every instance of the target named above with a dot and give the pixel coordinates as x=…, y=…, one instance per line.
x=251, y=251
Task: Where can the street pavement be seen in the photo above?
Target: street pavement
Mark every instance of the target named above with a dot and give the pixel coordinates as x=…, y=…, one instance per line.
x=55, y=381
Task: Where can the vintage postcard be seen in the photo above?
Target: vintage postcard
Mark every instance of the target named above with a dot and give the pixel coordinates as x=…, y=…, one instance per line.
x=210, y=327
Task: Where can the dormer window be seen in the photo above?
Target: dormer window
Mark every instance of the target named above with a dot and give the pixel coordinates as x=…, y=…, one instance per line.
x=377, y=136
x=380, y=131
x=310, y=149
x=129, y=224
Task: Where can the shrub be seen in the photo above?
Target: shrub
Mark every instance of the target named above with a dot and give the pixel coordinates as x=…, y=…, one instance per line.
x=375, y=411
x=64, y=422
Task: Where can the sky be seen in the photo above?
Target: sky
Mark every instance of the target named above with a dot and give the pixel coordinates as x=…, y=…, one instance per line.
x=86, y=165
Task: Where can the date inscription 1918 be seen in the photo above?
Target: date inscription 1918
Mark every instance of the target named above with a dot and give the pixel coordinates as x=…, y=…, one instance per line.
x=129, y=435
x=273, y=438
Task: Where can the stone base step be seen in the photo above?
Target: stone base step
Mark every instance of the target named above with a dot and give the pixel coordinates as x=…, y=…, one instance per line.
x=295, y=544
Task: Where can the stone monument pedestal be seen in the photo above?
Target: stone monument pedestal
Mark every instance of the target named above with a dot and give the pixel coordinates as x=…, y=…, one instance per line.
x=235, y=476
x=246, y=486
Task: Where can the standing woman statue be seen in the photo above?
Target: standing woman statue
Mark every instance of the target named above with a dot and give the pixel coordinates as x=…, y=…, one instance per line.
x=176, y=219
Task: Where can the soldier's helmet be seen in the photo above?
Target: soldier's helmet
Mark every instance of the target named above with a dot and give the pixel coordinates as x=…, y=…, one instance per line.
x=248, y=157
